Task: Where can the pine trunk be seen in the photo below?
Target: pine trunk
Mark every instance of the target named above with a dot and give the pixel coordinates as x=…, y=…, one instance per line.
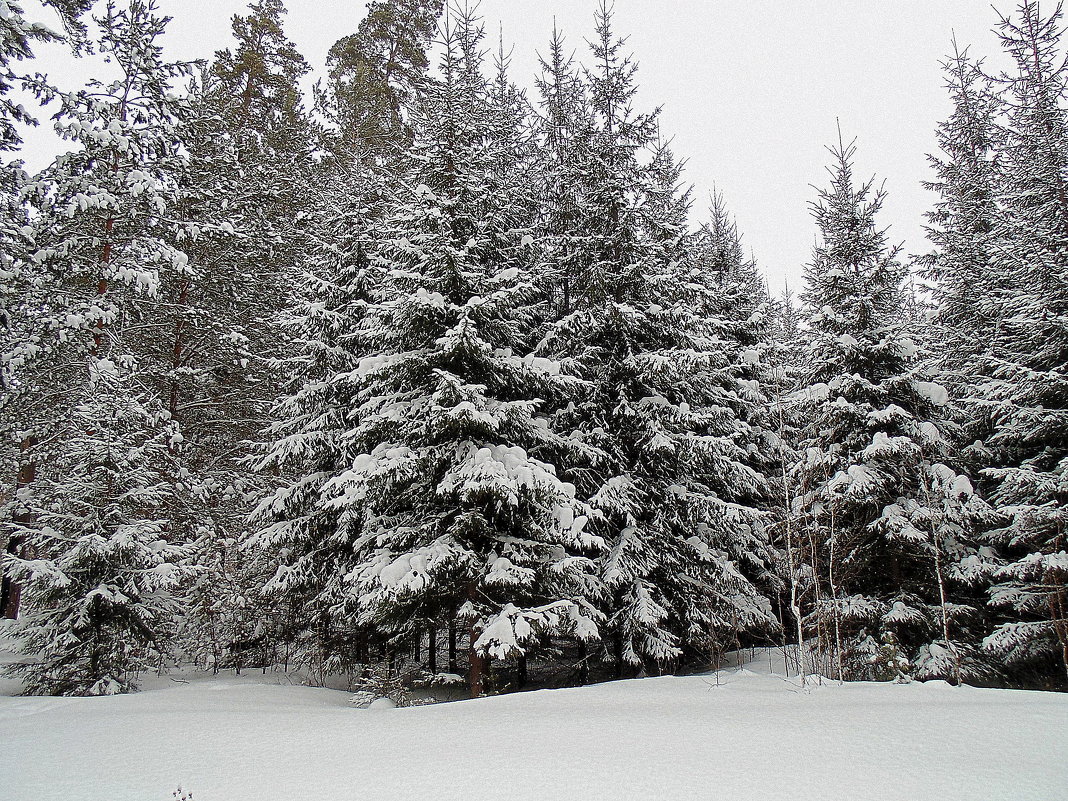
x=178, y=349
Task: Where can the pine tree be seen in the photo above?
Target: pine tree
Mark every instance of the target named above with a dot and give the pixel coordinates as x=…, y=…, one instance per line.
x=1025, y=388
x=884, y=515
x=247, y=195
x=21, y=284
x=374, y=78
x=261, y=77
x=102, y=229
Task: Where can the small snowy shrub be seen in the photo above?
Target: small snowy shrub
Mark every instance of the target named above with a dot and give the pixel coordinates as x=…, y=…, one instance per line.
x=888, y=662
x=393, y=682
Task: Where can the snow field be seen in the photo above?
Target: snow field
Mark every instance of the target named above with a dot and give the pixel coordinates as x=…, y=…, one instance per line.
x=736, y=735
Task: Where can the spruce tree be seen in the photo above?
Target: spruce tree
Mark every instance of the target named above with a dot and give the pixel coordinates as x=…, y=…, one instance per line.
x=886, y=519
x=668, y=473
x=1025, y=388
x=961, y=228
x=99, y=576
x=308, y=442
x=563, y=128
x=438, y=503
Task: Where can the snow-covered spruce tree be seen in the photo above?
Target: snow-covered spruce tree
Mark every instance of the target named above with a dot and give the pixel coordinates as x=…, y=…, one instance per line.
x=563, y=132
x=743, y=312
x=309, y=441
x=330, y=291
x=739, y=312
x=961, y=227
x=743, y=297
x=671, y=485
x=100, y=225
x=887, y=522
x=1027, y=386
x=487, y=520
x=245, y=192
x=97, y=573
x=764, y=363
x=446, y=506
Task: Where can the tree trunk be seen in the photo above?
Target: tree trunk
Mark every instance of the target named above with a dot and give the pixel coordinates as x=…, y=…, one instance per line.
x=452, y=641
x=521, y=677
x=432, y=648
x=10, y=592
x=178, y=349
x=476, y=674
x=584, y=667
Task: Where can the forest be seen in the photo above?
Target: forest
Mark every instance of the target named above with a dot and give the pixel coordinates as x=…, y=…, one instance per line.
x=426, y=380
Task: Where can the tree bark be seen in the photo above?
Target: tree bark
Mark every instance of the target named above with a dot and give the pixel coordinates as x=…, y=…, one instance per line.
x=432, y=648
x=521, y=676
x=584, y=666
x=10, y=592
x=452, y=642
x=476, y=675
x=178, y=349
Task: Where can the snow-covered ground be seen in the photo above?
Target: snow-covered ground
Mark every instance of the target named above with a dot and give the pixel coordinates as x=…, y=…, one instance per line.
x=742, y=734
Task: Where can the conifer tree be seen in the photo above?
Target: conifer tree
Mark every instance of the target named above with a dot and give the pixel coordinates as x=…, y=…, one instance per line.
x=246, y=194
x=308, y=444
x=885, y=516
x=102, y=225
x=563, y=132
x=98, y=583
x=671, y=485
x=374, y=78
x=961, y=225
x=787, y=323
x=20, y=282
x=17, y=36
x=261, y=76
x=104, y=219
x=1025, y=388
x=438, y=501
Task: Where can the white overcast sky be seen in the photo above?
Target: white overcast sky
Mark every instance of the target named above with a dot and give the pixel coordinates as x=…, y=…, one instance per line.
x=750, y=89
